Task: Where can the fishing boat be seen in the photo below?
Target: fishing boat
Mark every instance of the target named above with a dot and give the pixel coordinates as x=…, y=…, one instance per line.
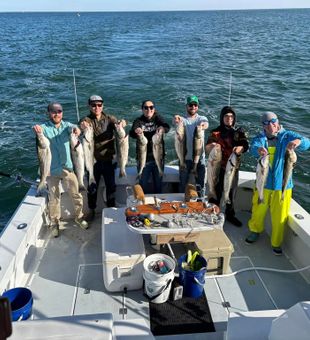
x=250, y=292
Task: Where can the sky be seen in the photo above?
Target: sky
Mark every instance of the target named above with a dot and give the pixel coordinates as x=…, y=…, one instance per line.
x=145, y=5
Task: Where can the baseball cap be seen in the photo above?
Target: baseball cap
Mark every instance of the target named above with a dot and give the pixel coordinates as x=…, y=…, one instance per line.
x=54, y=106
x=95, y=98
x=192, y=99
x=267, y=116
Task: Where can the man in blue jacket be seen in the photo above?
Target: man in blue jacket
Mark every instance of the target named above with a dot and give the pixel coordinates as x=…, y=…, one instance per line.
x=274, y=140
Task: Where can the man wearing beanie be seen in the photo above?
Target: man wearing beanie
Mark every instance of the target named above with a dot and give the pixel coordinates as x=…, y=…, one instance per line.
x=273, y=140
x=231, y=139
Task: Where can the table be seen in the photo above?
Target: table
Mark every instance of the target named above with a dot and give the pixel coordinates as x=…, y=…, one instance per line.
x=174, y=221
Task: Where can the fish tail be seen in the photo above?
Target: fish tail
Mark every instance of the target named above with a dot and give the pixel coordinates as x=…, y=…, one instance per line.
x=41, y=187
x=122, y=173
x=82, y=188
x=260, y=200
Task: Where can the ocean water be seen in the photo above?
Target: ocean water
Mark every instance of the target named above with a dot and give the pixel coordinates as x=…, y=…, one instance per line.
x=162, y=56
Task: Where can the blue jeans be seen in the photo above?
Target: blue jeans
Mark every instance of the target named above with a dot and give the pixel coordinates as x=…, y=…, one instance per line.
x=185, y=174
x=149, y=170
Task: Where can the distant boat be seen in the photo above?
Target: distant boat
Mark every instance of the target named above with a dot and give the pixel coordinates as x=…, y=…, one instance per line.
x=78, y=14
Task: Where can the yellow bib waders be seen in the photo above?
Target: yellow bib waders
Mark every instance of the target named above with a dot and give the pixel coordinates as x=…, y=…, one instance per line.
x=279, y=210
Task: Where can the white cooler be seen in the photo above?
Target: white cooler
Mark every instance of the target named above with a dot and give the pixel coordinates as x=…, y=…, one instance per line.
x=122, y=252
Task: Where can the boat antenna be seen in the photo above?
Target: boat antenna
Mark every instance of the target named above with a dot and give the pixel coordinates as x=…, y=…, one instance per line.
x=230, y=84
x=76, y=100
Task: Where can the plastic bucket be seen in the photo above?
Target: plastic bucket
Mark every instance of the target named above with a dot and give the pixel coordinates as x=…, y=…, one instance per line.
x=21, y=302
x=192, y=281
x=156, y=285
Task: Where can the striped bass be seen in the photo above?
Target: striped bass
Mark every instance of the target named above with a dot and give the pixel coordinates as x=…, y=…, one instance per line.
x=88, y=148
x=232, y=167
x=141, y=152
x=45, y=160
x=213, y=170
x=158, y=150
x=197, y=147
x=122, y=147
x=77, y=155
x=289, y=163
x=180, y=143
x=262, y=170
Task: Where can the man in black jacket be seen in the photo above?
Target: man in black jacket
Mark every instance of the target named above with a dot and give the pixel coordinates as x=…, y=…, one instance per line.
x=104, y=151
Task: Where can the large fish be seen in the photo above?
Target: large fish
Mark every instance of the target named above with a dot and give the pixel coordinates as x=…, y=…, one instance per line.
x=180, y=143
x=45, y=159
x=141, y=153
x=213, y=169
x=197, y=147
x=232, y=167
x=289, y=163
x=158, y=150
x=88, y=148
x=122, y=147
x=77, y=155
x=262, y=169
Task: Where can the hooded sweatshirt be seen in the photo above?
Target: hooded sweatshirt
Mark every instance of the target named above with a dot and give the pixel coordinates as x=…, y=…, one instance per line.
x=149, y=127
x=228, y=137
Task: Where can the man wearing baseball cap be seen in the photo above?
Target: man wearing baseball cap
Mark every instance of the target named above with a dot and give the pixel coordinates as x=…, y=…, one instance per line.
x=58, y=132
x=274, y=140
x=191, y=121
x=104, y=151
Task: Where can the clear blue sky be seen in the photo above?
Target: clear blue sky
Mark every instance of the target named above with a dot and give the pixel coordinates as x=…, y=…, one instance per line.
x=145, y=5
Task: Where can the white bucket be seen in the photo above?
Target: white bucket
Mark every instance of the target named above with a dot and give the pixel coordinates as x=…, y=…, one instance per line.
x=157, y=286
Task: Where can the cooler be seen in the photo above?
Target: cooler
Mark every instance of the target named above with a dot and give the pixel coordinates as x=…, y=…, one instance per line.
x=123, y=252
x=216, y=248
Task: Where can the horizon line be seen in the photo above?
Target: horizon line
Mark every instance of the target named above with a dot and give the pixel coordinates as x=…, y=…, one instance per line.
x=152, y=10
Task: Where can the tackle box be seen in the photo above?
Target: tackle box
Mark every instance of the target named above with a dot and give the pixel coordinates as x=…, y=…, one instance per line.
x=216, y=248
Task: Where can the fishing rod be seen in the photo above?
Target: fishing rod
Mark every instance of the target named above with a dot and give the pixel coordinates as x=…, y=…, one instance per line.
x=18, y=178
x=76, y=99
x=230, y=85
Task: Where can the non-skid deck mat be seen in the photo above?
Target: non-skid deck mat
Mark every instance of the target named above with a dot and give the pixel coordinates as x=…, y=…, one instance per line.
x=187, y=315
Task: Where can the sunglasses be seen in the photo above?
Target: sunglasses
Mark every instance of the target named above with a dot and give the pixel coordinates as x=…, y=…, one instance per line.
x=271, y=121
x=96, y=104
x=192, y=105
x=151, y=107
x=56, y=111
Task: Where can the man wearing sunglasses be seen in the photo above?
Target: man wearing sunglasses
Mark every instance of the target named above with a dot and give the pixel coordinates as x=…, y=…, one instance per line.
x=190, y=122
x=58, y=133
x=273, y=140
x=231, y=139
x=104, y=151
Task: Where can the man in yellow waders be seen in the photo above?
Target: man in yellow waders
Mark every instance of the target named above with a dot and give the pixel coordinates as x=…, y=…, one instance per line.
x=275, y=140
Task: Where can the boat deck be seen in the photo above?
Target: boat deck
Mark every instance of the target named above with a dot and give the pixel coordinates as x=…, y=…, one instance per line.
x=68, y=279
